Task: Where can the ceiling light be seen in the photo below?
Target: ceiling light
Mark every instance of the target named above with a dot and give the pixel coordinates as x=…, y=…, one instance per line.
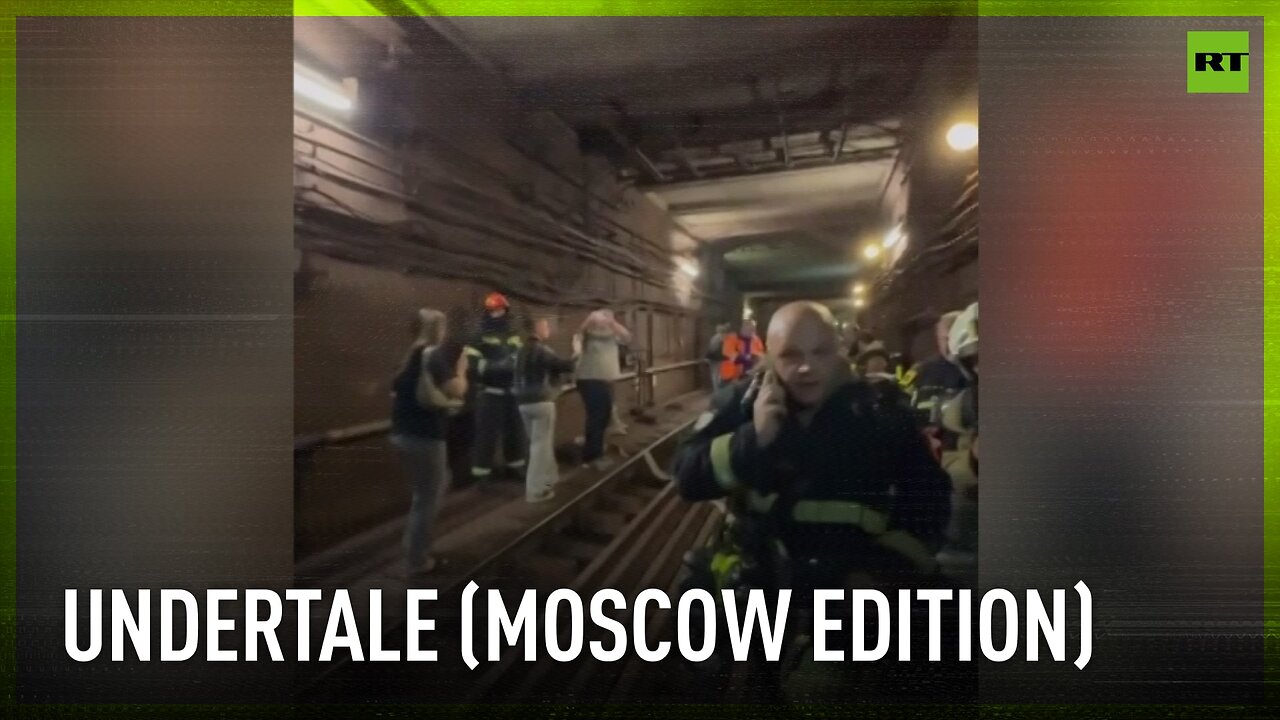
x=308, y=86
x=859, y=288
x=859, y=302
x=963, y=136
x=871, y=251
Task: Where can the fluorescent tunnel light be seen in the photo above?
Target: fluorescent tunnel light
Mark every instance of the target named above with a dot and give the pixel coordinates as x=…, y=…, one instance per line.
x=312, y=89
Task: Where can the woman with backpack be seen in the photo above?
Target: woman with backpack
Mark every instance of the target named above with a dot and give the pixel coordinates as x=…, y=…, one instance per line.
x=429, y=388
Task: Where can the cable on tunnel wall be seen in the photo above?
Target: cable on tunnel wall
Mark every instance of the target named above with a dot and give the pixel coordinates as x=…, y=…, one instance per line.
x=481, y=205
x=526, y=232
x=411, y=238
x=956, y=239
x=438, y=144
x=368, y=245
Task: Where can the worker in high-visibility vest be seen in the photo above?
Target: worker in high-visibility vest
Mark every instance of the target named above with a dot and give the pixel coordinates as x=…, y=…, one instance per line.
x=742, y=350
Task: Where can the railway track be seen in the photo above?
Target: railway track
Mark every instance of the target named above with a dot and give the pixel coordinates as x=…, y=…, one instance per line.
x=627, y=530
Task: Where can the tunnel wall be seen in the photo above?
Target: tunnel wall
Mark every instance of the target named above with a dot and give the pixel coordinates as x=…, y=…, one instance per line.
x=355, y=313
x=936, y=270
x=486, y=197
x=439, y=189
x=906, y=325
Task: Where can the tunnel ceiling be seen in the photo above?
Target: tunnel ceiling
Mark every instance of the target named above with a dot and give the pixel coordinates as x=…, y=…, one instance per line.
x=781, y=130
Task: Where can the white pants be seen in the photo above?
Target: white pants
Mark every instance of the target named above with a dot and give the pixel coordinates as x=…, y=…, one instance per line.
x=540, y=428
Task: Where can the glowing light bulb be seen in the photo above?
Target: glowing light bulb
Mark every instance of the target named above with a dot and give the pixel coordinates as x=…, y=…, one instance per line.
x=963, y=136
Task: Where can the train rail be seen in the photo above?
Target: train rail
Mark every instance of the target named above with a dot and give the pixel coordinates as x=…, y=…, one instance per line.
x=627, y=530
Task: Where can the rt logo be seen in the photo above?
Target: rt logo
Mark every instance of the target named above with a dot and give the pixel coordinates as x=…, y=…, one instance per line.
x=1217, y=62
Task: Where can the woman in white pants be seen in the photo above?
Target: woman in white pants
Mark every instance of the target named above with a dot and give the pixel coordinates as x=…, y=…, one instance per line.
x=536, y=387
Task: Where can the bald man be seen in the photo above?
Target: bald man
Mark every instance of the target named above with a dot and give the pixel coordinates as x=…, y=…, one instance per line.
x=808, y=457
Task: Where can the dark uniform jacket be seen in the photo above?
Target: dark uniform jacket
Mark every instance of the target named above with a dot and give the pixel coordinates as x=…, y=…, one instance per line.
x=537, y=371
x=493, y=351
x=936, y=381
x=860, y=473
x=939, y=374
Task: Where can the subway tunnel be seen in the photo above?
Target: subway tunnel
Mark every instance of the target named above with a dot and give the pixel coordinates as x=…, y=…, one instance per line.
x=682, y=172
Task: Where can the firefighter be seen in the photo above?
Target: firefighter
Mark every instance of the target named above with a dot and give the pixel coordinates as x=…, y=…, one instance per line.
x=959, y=415
x=492, y=352
x=941, y=371
x=935, y=381
x=872, y=365
x=825, y=485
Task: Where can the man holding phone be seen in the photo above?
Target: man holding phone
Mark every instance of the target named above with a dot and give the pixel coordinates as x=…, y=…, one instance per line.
x=826, y=488
x=840, y=482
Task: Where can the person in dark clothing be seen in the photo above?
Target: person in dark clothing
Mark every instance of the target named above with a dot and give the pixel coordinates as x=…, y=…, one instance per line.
x=935, y=381
x=940, y=371
x=863, y=339
x=537, y=373
x=419, y=426
x=872, y=365
x=873, y=362
x=827, y=488
x=497, y=416
x=959, y=415
x=848, y=482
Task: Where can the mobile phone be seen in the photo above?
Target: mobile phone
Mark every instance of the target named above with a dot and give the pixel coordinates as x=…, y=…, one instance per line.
x=758, y=379
x=753, y=390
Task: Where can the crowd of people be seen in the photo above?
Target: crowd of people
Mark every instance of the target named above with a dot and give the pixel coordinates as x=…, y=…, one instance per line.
x=784, y=386
x=837, y=468
x=502, y=371
x=838, y=464
x=819, y=415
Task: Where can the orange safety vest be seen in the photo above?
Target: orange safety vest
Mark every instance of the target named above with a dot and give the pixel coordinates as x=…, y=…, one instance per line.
x=733, y=347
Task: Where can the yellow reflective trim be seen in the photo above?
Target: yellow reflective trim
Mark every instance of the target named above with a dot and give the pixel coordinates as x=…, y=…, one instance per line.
x=472, y=351
x=514, y=340
x=843, y=512
x=481, y=471
x=722, y=564
x=872, y=522
x=907, y=379
x=720, y=463
x=909, y=547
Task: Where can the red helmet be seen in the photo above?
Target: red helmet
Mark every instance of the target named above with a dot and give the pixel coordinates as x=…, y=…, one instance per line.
x=494, y=301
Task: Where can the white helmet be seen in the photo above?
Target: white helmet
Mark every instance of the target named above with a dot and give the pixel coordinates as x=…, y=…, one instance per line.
x=963, y=339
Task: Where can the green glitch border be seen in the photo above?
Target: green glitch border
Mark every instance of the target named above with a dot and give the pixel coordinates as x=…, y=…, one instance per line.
x=12, y=9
